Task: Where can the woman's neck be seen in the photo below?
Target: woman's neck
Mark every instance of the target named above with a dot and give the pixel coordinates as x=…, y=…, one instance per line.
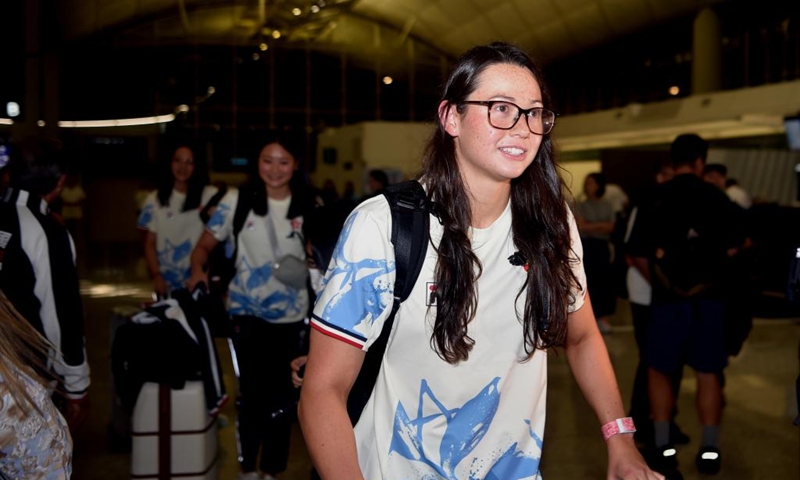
x=181, y=187
x=281, y=193
x=488, y=201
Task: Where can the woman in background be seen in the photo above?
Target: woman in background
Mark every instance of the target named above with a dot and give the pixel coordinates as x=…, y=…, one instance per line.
x=171, y=220
x=595, y=217
x=34, y=439
x=267, y=313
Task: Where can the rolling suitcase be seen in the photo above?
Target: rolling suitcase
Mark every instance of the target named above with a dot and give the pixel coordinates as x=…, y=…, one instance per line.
x=173, y=434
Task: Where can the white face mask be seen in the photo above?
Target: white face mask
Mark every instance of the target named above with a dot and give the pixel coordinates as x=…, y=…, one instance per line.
x=316, y=279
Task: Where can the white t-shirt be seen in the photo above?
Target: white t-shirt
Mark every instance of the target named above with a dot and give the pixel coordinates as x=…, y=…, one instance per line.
x=639, y=289
x=739, y=196
x=427, y=419
x=177, y=232
x=254, y=290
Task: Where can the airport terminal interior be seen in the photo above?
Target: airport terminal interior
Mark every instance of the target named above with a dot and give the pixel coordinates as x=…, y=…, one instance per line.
x=357, y=82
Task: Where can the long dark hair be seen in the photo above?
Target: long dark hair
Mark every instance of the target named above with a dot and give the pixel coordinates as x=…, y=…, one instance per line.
x=540, y=225
x=256, y=190
x=197, y=182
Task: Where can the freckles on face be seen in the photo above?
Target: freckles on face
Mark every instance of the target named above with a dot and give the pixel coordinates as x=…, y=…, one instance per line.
x=491, y=152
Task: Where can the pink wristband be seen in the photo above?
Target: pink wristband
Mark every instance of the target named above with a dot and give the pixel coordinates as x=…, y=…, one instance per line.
x=615, y=427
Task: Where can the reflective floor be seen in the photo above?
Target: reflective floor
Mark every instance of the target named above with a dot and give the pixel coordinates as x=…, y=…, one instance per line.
x=758, y=440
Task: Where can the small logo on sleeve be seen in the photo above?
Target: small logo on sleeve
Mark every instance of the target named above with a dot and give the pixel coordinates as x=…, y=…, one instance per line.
x=430, y=292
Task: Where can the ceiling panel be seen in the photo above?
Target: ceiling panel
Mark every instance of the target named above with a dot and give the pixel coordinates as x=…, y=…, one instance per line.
x=506, y=19
x=459, y=11
x=554, y=27
x=537, y=12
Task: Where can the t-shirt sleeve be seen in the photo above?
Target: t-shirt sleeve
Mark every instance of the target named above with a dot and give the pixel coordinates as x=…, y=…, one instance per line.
x=208, y=192
x=147, y=217
x=221, y=222
x=358, y=288
x=576, y=262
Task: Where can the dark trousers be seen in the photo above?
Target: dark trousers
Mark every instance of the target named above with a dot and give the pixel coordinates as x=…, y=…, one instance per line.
x=266, y=400
x=597, y=264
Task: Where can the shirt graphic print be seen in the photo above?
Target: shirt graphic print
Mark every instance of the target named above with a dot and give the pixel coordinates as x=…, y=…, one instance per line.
x=482, y=418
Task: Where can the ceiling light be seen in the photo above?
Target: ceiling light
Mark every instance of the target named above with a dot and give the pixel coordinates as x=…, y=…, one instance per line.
x=387, y=80
x=12, y=109
x=211, y=91
x=263, y=47
x=276, y=34
x=296, y=12
x=314, y=8
x=256, y=56
x=119, y=122
x=40, y=123
x=182, y=108
x=674, y=90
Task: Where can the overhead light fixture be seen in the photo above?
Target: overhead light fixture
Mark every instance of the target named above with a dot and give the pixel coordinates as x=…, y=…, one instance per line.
x=296, y=12
x=182, y=108
x=674, y=90
x=40, y=123
x=6, y=121
x=387, y=80
x=256, y=56
x=12, y=109
x=211, y=91
x=120, y=122
x=276, y=34
x=263, y=47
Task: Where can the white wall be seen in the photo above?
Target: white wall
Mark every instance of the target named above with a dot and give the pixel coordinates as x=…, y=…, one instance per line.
x=393, y=146
x=767, y=175
x=575, y=172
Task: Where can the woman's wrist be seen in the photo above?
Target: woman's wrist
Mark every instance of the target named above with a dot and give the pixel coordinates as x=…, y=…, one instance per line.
x=616, y=427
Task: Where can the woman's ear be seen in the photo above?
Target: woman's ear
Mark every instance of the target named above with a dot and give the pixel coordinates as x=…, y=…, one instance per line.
x=448, y=118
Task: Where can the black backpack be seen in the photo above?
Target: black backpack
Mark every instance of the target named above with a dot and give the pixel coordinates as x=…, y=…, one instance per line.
x=410, y=213
x=688, y=260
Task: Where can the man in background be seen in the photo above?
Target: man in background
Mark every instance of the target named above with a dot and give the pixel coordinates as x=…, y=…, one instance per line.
x=686, y=239
x=37, y=265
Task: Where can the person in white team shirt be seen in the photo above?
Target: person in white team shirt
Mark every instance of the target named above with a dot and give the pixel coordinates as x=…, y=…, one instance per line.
x=268, y=314
x=170, y=218
x=462, y=386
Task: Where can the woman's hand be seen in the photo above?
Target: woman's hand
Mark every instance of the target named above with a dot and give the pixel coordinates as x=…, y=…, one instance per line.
x=297, y=364
x=625, y=462
x=196, y=279
x=160, y=286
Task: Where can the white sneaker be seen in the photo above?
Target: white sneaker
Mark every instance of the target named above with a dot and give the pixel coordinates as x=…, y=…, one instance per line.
x=248, y=476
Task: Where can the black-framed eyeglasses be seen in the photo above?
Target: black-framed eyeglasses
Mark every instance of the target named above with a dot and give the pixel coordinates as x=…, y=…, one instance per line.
x=504, y=115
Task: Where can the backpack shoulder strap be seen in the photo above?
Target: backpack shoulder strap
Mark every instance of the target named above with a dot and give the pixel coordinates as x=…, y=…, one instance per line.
x=410, y=213
x=409, y=205
x=243, y=205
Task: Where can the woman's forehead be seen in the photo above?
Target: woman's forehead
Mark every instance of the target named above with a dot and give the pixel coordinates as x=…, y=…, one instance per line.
x=275, y=149
x=509, y=81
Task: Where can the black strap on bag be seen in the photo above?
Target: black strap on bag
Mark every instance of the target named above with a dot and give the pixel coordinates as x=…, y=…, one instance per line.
x=410, y=223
